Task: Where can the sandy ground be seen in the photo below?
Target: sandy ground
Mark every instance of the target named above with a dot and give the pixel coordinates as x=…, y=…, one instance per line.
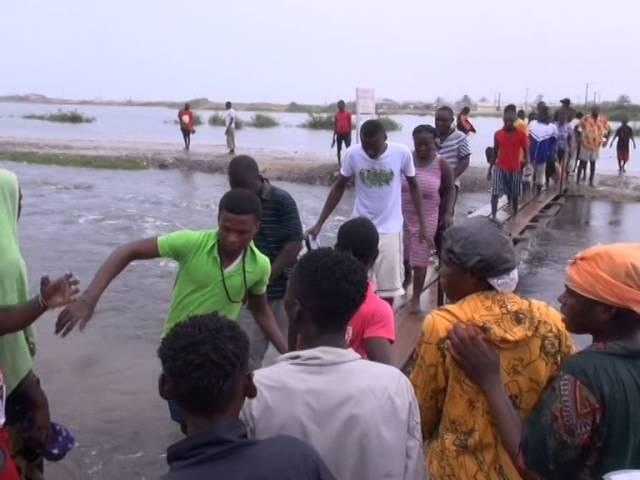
x=292, y=166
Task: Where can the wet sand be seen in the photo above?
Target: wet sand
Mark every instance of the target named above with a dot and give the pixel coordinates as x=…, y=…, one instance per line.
x=292, y=166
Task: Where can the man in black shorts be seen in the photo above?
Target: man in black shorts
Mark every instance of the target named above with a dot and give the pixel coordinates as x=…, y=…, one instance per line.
x=342, y=127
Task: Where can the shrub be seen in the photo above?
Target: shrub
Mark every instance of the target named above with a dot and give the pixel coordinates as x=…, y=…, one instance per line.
x=217, y=120
x=319, y=122
x=71, y=116
x=262, y=120
x=390, y=125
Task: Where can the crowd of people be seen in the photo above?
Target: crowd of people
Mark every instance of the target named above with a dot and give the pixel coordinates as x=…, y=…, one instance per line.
x=496, y=391
x=528, y=155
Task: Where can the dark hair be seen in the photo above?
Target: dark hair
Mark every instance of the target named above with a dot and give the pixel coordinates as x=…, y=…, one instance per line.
x=340, y=102
x=579, y=115
x=331, y=286
x=360, y=238
x=205, y=358
x=239, y=201
x=445, y=108
x=371, y=128
x=521, y=112
x=420, y=129
x=465, y=110
x=227, y=105
x=510, y=108
x=242, y=168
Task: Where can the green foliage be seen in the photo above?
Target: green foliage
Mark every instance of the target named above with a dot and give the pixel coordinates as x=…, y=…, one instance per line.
x=73, y=160
x=390, y=125
x=322, y=121
x=71, y=116
x=262, y=120
x=326, y=122
x=217, y=120
x=294, y=107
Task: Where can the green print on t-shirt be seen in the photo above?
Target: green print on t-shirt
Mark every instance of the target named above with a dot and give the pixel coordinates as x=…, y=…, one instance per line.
x=376, y=177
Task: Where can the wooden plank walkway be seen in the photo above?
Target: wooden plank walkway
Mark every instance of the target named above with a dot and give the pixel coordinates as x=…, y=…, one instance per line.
x=531, y=216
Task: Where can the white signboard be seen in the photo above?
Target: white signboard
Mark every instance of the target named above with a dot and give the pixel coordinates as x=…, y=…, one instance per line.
x=365, y=107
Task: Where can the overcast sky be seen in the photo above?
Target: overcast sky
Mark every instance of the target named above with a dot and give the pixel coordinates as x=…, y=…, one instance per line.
x=318, y=50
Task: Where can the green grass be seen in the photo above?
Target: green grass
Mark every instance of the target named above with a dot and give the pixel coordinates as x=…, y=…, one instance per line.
x=197, y=120
x=75, y=160
x=390, y=125
x=262, y=120
x=217, y=120
x=71, y=116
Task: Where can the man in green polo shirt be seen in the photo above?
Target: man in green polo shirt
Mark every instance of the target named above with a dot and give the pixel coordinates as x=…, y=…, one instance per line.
x=219, y=270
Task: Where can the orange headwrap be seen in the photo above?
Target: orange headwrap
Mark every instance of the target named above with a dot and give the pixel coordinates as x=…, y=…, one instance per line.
x=609, y=274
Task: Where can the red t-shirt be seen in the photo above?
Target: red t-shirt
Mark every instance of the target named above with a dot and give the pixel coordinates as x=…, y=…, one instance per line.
x=510, y=144
x=343, y=123
x=374, y=318
x=186, y=119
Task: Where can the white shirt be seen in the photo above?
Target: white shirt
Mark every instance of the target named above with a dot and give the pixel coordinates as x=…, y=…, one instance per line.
x=230, y=118
x=378, y=184
x=362, y=417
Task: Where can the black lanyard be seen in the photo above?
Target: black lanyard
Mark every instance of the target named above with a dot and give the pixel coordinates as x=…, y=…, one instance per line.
x=224, y=280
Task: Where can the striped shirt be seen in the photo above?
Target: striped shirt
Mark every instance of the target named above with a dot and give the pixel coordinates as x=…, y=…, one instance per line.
x=279, y=224
x=454, y=148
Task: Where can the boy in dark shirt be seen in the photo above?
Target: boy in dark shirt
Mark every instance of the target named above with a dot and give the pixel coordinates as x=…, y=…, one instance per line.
x=205, y=370
x=624, y=134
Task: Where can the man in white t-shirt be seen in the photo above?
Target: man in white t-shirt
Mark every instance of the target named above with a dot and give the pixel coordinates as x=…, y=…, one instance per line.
x=377, y=167
x=230, y=124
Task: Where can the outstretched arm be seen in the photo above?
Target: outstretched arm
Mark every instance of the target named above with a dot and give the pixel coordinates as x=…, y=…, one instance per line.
x=335, y=195
x=82, y=309
x=52, y=294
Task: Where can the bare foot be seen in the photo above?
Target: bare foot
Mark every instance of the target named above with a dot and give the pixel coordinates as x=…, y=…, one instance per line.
x=414, y=306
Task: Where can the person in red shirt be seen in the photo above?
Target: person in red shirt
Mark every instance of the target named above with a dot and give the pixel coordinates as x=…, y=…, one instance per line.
x=185, y=119
x=508, y=144
x=342, y=128
x=371, y=330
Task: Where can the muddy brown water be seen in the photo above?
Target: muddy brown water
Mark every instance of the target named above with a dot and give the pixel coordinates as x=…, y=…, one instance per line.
x=102, y=383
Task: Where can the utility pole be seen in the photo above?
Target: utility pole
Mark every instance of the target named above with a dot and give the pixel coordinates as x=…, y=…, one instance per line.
x=586, y=95
x=595, y=98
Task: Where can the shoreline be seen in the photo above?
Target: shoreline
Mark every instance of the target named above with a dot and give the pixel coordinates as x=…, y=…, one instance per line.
x=290, y=166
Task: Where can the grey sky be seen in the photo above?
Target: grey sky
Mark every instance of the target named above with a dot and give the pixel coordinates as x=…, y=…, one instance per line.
x=317, y=50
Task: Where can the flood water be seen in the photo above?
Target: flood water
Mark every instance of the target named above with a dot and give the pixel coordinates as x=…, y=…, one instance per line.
x=103, y=383
x=155, y=124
